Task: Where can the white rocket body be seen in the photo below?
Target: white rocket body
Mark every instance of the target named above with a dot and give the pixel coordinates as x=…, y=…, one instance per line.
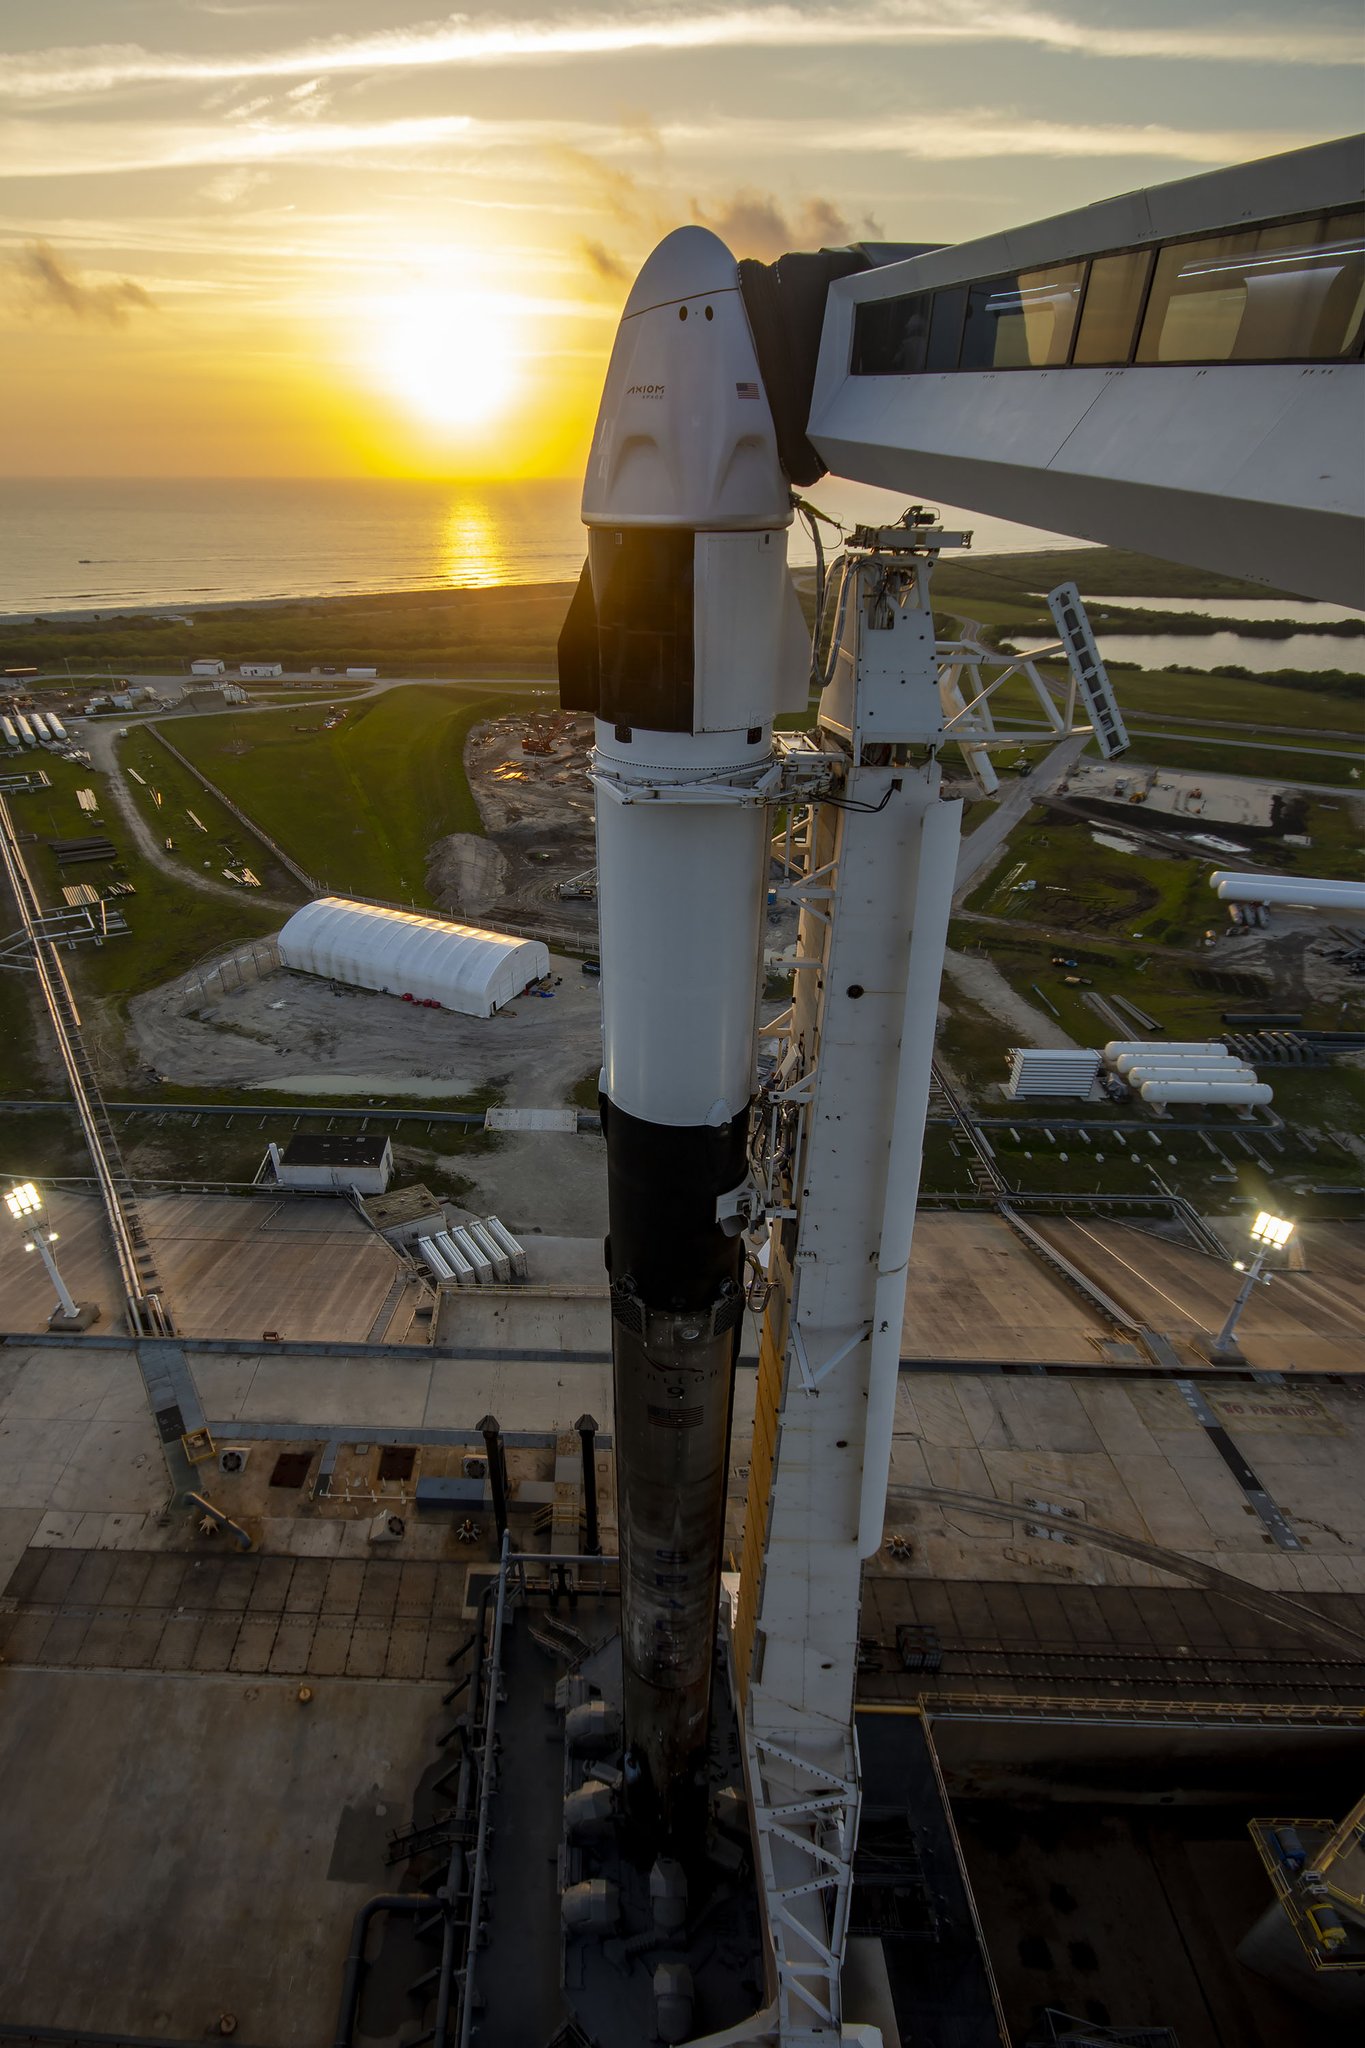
x=685, y=640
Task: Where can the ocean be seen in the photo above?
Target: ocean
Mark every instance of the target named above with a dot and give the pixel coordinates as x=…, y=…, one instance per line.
x=101, y=544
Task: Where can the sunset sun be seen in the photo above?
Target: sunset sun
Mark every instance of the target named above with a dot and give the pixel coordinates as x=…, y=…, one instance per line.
x=449, y=357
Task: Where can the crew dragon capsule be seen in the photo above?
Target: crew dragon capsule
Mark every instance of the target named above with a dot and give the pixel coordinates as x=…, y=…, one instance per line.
x=685, y=640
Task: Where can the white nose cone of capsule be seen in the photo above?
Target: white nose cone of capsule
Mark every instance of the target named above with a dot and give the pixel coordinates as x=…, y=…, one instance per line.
x=684, y=436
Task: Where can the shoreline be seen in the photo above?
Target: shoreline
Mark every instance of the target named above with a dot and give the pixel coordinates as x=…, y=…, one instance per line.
x=173, y=612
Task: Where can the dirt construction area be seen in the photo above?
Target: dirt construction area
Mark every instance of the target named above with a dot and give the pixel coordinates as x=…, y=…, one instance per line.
x=529, y=778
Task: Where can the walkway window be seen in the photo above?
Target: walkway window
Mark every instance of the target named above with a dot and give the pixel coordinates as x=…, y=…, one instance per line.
x=1022, y=322
x=1113, y=301
x=1273, y=294
x=890, y=335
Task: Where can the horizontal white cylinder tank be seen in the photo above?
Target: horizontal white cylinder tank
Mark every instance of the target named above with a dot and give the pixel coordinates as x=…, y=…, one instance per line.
x=1240, y=1092
x=1306, y=892
x=1117, y=1047
x=1149, y=1053
x=1201, y=1077
x=1189, y=1070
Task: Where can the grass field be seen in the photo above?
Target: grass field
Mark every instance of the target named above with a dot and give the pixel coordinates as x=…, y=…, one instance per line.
x=1146, y=697
x=1082, y=887
x=226, y=839
x=1287, y=760
x=42, y=1143
x=358, y=806
x=1097, y=572
x=170, y=926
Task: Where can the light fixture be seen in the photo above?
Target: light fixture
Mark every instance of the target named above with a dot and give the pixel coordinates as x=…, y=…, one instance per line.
x=23, y=1200
x=25, y=1205
x=1268, y=1234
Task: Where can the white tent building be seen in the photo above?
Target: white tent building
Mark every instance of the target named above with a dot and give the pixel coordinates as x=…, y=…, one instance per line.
x=403, y=953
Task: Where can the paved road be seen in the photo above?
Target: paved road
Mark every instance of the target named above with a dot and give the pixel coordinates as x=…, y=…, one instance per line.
x=982, y=845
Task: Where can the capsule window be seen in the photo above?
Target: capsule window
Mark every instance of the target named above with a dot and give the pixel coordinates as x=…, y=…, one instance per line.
x=709, y=314
x=682, y=312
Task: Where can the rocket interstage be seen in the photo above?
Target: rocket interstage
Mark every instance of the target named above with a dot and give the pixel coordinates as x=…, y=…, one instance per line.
x=685, y=640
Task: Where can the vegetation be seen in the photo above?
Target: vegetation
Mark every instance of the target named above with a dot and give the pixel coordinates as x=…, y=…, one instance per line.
x=1084, y=887
x=1282, y=760
x=45, y=1143
x=170, y=926
x=509, y=630
x=1097, y=572
x=358, y=806
x=224, y=841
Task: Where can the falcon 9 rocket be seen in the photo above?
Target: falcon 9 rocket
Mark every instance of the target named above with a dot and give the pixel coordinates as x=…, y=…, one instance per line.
x=685, y=640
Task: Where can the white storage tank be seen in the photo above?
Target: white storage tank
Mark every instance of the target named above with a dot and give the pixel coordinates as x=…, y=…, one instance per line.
x=40, y=725
x=1243, y=1094
x=493, y=1252
x=26, y=732
x=58, y=730
x=1306, y=892
x=502, y=1235
x=430, y=1254
x=1120, y=1048
x=403, y=953
x=455, y=1258
x=10, y=731
x=476, y=1255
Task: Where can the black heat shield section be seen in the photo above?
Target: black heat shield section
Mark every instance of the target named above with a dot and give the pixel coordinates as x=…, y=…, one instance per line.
x=785, y=302
x=580, y=670
x=642, y=584
x=626, y=646
x=662, y=1185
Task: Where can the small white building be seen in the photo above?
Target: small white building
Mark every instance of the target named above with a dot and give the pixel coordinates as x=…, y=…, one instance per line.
x=363, y=1162
x=1062, y=1073
x=260, y=671
x=362, y=675
x=404, y=953
x=208, y=668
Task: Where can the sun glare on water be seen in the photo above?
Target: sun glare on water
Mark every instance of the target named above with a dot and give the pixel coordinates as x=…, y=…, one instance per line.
x=449, y=357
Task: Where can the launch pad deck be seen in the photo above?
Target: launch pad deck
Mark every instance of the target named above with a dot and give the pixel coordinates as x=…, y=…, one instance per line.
x=1044, y=1645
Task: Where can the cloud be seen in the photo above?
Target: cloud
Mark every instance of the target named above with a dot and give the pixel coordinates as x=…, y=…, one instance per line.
x=229, y=188
x=47, y=286
x=604, y=262
x=51, y=148
x=458, y=41
x=754, y=224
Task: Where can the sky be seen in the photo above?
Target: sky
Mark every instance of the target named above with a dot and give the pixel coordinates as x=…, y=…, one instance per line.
x=362, y=238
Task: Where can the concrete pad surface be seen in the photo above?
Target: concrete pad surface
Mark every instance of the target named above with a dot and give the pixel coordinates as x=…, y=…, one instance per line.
x=193, y=1842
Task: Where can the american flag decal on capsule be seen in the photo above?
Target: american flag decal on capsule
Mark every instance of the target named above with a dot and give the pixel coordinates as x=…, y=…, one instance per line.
x=746, y=391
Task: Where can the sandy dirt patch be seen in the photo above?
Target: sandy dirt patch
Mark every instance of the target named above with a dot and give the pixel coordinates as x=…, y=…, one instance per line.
x=468, y=876
x=984, y=983
x=292, y=1031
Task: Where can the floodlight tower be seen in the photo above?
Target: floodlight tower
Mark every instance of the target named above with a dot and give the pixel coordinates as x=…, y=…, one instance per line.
x=1268, y=1233
x=25, y=1205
